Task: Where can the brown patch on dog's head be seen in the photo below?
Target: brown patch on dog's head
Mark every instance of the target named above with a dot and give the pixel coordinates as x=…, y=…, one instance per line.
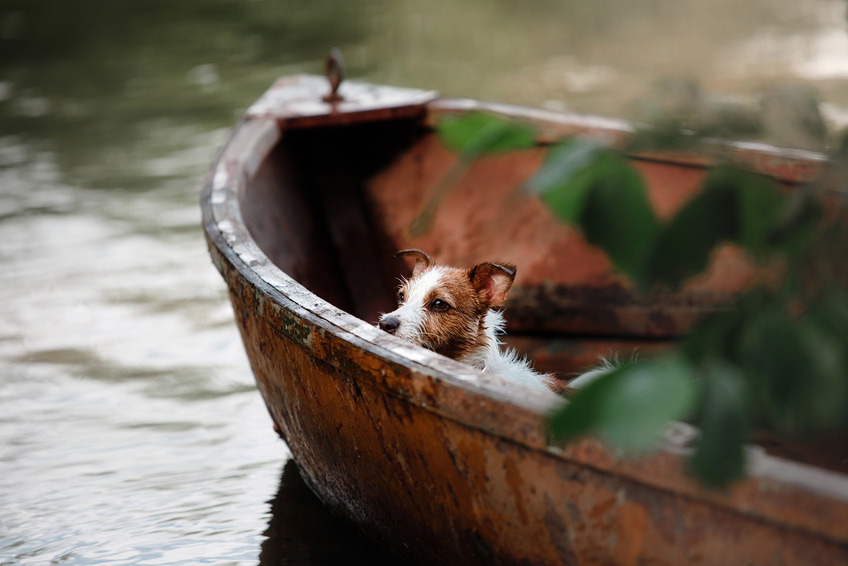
x=454, y=311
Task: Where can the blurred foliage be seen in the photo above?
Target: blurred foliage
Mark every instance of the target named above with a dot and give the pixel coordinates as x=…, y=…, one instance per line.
x=676, y=107
x=659, y=391
x=474, y=134
x=681, y=114
x=777, y=359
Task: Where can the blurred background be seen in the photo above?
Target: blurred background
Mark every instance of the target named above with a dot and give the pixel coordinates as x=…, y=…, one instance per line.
x=130, y=428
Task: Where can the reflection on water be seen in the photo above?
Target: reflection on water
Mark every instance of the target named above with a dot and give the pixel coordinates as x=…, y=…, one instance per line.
x=130, y=428
x=302, y=531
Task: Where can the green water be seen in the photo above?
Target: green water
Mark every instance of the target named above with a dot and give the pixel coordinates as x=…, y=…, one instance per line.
x=130, y=429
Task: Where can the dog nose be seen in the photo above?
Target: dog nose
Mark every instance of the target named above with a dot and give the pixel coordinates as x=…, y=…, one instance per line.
x=389, y=324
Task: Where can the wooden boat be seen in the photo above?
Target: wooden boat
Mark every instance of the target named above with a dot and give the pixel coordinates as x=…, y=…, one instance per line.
x=438, y=462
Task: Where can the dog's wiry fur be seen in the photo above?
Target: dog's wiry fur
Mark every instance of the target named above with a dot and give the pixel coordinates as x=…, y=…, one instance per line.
x=450, y=311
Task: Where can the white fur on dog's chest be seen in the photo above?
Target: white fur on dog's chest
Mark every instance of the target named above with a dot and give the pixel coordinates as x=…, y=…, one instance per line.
x=506, y=364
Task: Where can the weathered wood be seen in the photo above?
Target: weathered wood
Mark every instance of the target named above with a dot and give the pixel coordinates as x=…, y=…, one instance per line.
x=438, y=462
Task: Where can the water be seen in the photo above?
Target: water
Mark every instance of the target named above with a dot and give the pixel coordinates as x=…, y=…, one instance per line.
x=130, y=428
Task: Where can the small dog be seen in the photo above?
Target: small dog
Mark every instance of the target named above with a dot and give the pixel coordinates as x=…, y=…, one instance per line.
x=449, y=310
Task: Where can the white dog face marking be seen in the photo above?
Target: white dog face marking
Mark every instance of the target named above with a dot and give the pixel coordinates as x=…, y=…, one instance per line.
x=413, y=300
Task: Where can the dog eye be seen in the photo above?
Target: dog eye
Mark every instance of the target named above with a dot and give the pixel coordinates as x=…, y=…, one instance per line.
x=400, y=296
x=439, y=305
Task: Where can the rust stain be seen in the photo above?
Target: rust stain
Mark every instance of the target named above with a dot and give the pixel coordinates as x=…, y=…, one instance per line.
x=559, y=534
x=629, y=534
x=516, y=484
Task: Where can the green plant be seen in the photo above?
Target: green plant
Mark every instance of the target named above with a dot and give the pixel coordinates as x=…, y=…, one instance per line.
x=777, y=359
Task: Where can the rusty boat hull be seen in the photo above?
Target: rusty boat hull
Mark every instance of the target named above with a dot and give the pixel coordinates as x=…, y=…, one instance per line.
x=438, y=462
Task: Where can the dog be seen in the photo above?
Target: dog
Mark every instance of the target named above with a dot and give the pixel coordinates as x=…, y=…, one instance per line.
x=450, y=311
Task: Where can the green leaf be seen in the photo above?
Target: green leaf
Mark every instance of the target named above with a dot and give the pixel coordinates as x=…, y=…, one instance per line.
x=723, y=419
x=759, y=207
x=566, y=183
x=796, y=226
x=716, y=335
x=631, y=405
x=830, y=309
x=562, y=164
x=598, y=191
x=684, y=244
x=618, y=218
x=477, y=133
x=799, y=369
x=733, y=206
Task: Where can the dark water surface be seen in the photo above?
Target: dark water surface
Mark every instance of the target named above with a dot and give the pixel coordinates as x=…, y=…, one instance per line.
x=130, y=428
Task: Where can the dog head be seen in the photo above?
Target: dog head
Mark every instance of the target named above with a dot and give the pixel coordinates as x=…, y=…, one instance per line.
x=442, y=308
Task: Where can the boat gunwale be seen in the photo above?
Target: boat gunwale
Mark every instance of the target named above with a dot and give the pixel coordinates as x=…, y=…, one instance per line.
x=236, y=254
x=799, y=165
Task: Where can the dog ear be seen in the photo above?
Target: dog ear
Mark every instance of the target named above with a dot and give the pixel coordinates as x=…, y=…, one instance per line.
x=492, y=281
x=422, y=260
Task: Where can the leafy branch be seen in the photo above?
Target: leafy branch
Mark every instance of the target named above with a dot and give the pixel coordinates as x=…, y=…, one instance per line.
x=778, y=359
